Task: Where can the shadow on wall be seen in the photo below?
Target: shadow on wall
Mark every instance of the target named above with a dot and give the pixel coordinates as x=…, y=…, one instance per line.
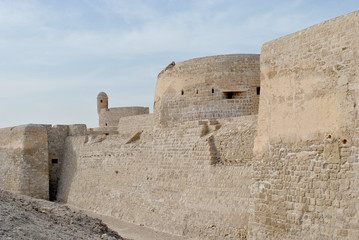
x=68, y=169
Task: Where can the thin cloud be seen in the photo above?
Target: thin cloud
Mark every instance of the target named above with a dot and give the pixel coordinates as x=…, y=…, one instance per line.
x=21, y=88
x=71, y=48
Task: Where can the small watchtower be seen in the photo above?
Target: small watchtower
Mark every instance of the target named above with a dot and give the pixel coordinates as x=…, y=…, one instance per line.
x=102, y=101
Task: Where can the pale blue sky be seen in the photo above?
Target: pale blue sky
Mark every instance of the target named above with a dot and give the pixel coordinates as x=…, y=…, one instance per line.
x=56, y=55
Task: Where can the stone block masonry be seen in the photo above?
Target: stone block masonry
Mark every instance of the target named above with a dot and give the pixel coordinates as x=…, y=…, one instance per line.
x=166, y=179
x=24, y=160
x=305, y=164
x=109, y=117
x=30, y=157
x=56, y=136
x=208, y=88
x=128, y=125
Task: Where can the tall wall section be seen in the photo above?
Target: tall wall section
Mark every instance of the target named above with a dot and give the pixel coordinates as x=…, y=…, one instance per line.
x=208, y=88
x=190, y=180
x=23, y=160
x=109, y=117
x=56, y=136
x=306, y=151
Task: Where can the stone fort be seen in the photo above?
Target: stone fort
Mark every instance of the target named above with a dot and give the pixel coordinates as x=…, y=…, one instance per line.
x=240, y=146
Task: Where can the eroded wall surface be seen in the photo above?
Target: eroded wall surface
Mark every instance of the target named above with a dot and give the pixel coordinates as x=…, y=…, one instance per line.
x=23, y=160
x=305, y=166
x=190, y=180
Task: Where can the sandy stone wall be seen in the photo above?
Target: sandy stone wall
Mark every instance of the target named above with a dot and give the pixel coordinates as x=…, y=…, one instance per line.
x=234, y=140
x=110, y=117
x=170, y=179
x=11, y=142
x=305, y=166
x=56, y=140
x=30, y=156
x=134, y=124
x=208, y=88
x=23, y=157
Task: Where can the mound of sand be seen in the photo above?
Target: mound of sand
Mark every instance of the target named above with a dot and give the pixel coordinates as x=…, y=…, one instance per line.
x=23, y=217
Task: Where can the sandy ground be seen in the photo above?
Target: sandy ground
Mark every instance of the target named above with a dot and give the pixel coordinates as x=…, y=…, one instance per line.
x=131, y=231
x=22, y=217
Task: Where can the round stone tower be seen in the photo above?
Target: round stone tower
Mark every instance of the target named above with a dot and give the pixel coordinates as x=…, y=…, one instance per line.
x=102, y=101
x=214, y=87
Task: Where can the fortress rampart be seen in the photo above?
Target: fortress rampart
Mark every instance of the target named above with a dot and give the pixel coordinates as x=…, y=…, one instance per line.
x=204, y=165
x=306, y=162
x=166, y=173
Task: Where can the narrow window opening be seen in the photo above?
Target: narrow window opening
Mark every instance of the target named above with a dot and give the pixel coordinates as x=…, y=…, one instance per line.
x=182, y=92
x=105, y=124
x=258, y=90
x=197, y=91
x=54, y=161
x=212, y=90
x=233, y=95
x=101, y=101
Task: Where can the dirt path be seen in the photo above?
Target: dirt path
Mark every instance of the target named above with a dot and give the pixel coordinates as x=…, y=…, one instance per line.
x=131, y=231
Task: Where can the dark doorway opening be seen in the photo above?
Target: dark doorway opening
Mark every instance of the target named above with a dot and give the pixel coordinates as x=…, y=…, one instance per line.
x=228, y=95
x=53, y=178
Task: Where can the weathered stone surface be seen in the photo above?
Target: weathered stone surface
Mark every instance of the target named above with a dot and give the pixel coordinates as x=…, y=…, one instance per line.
x=306, y=147
x=165, y=179
x=208, y=88
x=109, y=117
x=24, y=160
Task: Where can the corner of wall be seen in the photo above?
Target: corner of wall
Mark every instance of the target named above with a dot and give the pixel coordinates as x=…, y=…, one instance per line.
x=34, y=165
